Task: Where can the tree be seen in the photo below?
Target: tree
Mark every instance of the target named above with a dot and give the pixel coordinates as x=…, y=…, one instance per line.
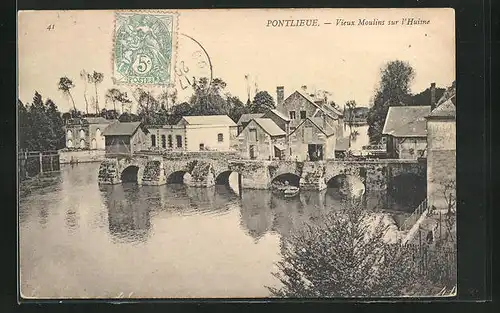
x=393, y=90
x=351, y=106
x=129, y=117
x=65, y=85
x=237, y=108
x=114, y=95
x=344, y=255
x=207, y=98
x=85, y=77
x=96, y=78
x=24, y=131
x=262, y=102
x=178, y=111
x=147, y=105
x=168, y=98
x=56, y=138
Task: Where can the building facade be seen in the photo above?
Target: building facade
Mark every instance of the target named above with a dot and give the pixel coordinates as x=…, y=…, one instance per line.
x=86, y=133
x=299, y=106
x=125, y=138
x=441, y=155
x=405, y=132
x=195, y=133
x=262, y=139
x=312, y=142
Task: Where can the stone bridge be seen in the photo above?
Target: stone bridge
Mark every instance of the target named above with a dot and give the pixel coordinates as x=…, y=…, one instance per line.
x=206, y=170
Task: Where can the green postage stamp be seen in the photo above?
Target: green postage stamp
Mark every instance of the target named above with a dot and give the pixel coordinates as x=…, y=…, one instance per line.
x=144, y=47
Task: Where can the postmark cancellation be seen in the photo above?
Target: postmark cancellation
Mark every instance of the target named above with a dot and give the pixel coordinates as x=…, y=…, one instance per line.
x=144, y=47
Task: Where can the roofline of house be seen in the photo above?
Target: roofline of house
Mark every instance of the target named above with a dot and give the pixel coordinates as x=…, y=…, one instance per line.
x=317, y=126
x=261, y=128
x=313, y=103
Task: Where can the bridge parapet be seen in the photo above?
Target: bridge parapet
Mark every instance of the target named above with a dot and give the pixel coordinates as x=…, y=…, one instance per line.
x=155, y=168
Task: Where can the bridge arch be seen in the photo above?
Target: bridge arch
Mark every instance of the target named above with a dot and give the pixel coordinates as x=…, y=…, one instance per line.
x=177, y=177
x=346, y=184
x=130, y=174
x=223, y=178
x=408, y=188
x=292, y=178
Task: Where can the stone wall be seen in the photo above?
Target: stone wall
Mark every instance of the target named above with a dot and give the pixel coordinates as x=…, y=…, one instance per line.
x=81, y=156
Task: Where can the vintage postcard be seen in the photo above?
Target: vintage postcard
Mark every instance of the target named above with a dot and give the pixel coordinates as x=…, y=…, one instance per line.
x=237, y=153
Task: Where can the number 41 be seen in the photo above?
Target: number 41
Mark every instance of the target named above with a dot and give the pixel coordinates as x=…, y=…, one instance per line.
x=50, y=27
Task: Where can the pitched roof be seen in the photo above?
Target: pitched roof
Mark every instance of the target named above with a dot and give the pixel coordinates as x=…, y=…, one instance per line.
x=209, y=120
x=247, y=117
x=269, y=126
x=445, y=109
x=122, y=129
x=278, y=114
x=97, y=120
x=328, y=130
x=325, y=109
x=406, y=121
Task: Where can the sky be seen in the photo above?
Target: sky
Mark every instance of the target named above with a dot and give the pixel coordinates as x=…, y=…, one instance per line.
x=344, y=60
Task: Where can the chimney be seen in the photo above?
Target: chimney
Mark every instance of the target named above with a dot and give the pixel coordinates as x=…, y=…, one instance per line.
x=304, y=89
x=280, y=95
x=433, y=94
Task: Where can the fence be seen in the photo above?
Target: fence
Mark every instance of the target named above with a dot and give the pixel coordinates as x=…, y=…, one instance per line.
x=33, y=163
x=437, y=262
x=413, y=218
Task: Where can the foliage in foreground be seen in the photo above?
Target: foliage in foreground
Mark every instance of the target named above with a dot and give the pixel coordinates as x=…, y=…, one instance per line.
x=346, y=255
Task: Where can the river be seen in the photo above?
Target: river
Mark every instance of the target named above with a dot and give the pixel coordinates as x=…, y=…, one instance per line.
x=79, y=240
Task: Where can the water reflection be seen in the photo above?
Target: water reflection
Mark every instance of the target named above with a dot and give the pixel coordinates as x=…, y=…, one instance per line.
x=128, y=219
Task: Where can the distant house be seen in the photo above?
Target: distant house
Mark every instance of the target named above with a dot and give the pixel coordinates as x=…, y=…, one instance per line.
x=211, y=132
x=86, y=133
x=312, y=141
x=245, y=119
x=299, y=106
x=262, y=139
x=125, y=138
x=405, y=131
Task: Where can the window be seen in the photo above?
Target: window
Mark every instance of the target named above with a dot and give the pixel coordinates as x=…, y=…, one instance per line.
x=153, y=140
x=220, y=137
x=170, y=144
x=303, y=115
x=179, y=141
x=163, y=141
x=253, y=134
x=292, y=115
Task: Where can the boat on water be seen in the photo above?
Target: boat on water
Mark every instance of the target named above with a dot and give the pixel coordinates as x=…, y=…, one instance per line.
x=287, y=191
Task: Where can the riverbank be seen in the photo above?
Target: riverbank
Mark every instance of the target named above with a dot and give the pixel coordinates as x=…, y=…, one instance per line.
x=38, y=182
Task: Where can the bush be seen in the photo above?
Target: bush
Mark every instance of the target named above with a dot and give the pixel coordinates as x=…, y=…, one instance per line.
x=345, y=255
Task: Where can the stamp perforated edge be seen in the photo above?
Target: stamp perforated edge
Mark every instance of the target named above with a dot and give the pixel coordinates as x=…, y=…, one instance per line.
x=175, y=45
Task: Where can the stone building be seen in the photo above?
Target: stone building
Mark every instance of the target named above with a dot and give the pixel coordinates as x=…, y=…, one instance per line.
x=196, y=133
x=312, y=142
x=245, y=119
x=167, y=137
x=125, y=138
x=86, y=133
x=441, y=154
x=212, y=133
x=405, y=130
x=262, y=139
x=299, y=106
